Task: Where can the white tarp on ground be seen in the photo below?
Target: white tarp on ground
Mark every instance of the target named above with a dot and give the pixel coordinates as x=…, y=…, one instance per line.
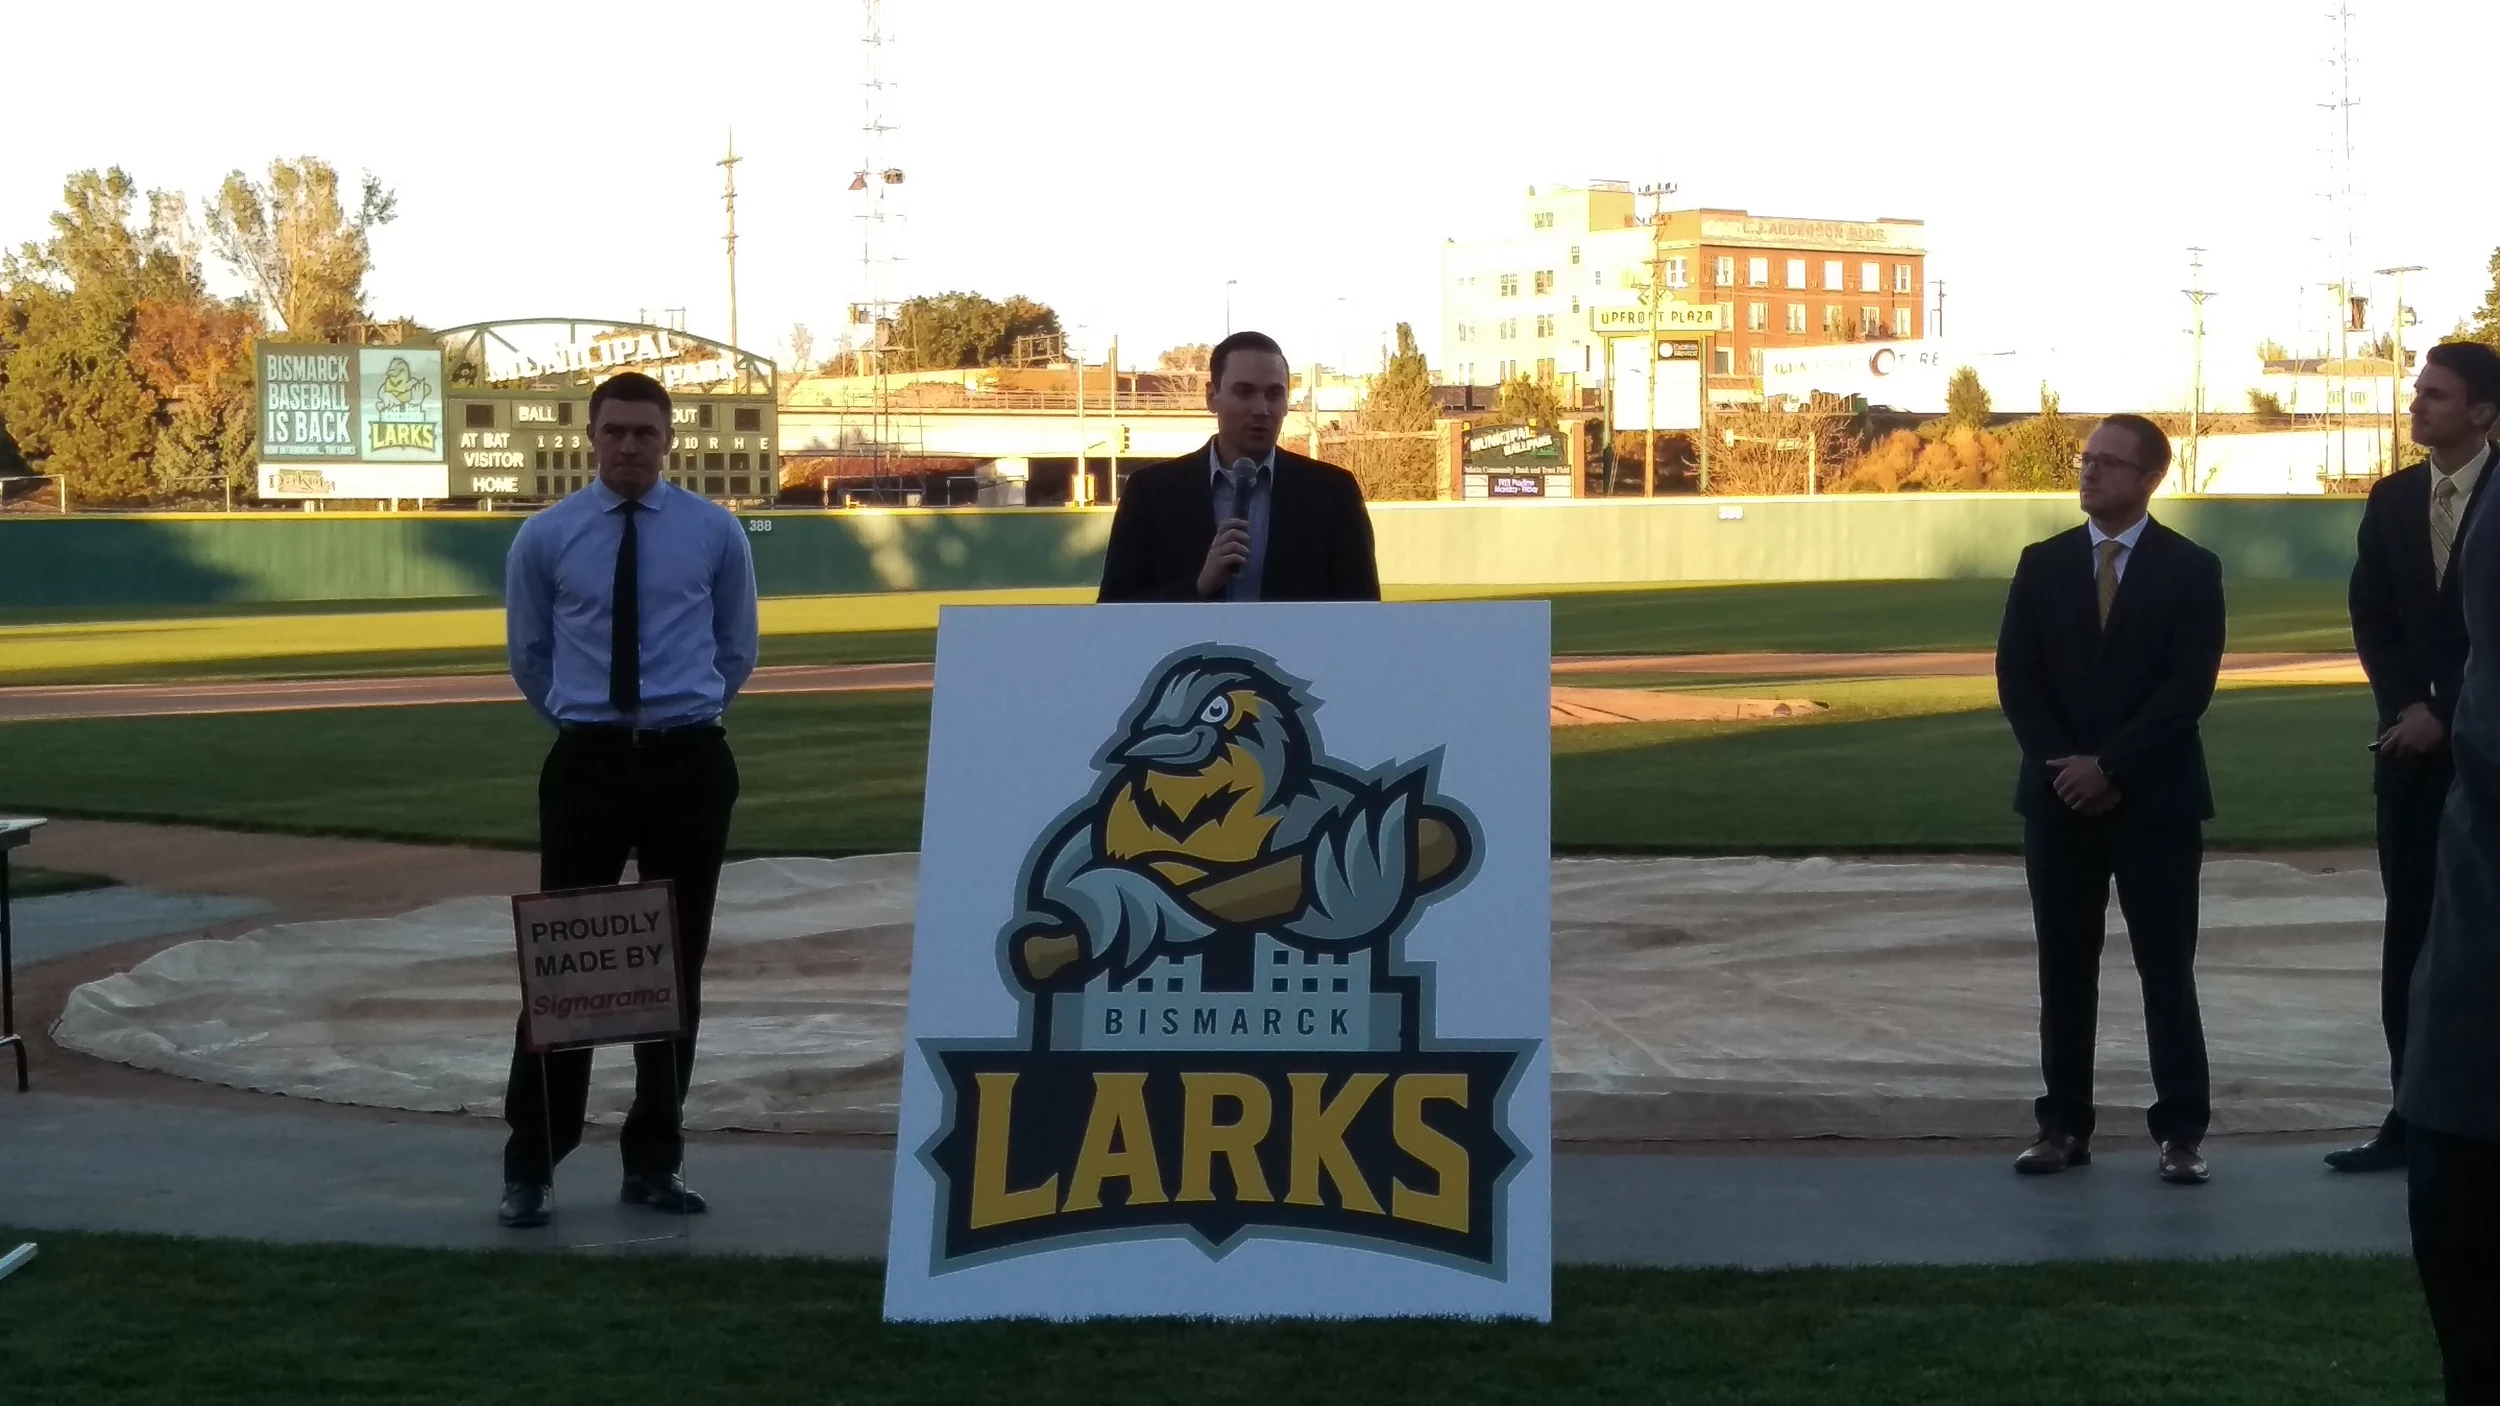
x=1692, y=998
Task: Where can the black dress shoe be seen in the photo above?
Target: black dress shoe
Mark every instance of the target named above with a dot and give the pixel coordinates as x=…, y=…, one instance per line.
x=665, y=1191
x=2182, y=1165
x=2054, y=1152
x=2379, y=1154
x=524, y=1205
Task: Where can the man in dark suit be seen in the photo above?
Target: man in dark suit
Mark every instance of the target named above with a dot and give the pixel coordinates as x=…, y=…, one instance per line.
x=2408, y=622
x=1291, y=528
x=2111, y=643
x=2449, y=1093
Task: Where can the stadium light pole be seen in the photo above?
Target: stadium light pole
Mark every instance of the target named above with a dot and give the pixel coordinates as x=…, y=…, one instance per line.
x=2396, y=375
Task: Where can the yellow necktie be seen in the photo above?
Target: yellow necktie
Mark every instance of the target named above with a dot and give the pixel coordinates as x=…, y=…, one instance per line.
x=2443, y=523
x=2106, y=578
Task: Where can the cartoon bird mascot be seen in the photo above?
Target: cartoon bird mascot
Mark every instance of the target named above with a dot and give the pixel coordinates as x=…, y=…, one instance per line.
x=1214, y=822
x=400, y=388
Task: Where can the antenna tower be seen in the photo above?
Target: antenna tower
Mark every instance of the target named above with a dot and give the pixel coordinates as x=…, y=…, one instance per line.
x=878, y=185
x=2342, y=221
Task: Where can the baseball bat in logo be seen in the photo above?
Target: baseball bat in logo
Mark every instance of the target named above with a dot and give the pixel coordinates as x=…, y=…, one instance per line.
x=1221, y=1035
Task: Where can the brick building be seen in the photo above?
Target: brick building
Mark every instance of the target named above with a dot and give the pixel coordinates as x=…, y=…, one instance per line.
x=1544, y=300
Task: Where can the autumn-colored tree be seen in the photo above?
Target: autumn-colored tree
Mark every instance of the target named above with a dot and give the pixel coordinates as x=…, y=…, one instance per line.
x=303, y=252
x=2484, y=325
x=1966, y=400
x=2040, y=452
x=119, y=371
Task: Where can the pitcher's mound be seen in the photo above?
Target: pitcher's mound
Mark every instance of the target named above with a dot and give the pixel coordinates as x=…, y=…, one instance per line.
x=1582, y=707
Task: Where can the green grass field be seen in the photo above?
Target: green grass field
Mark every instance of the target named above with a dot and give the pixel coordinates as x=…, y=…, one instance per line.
x=1907, y=765
x=111, y=1319
x=2299, y=616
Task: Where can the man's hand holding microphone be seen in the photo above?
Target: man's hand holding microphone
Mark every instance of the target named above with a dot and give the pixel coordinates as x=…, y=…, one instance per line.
x=1230, y=551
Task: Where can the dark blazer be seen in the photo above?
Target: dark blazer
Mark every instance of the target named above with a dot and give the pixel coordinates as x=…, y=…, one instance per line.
x=2130, y=694
x=2408, y=628
x=1319, y=538
x=2452, y=1045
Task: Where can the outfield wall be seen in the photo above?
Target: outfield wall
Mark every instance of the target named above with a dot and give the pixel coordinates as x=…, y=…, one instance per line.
x=206, y=559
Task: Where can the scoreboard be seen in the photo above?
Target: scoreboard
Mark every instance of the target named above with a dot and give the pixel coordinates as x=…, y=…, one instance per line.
x=536, y=444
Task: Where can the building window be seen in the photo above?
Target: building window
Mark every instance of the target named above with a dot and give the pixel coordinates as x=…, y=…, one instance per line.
x=1510, y=285
x=1544, y=282
x=1545, y=371
x=1722, y=361
x=1833, y=279
x=1901, y=323
x=1901, y=279
x=1831, y=318
x=1597, y=277
x=1726, y=269
x=1756, y=359
x=1543, y=219
x=1461, y=332
x=1796, y=317
x=1505, y=370
x=1796, y=273
x=1675, y=273
x=1575, y=254
x=1545, y=325
x=1870, y=278
x=1758, y=272
x=1870, y=321
x=1510, y=328
x=1575, y=302
x=1757, y=316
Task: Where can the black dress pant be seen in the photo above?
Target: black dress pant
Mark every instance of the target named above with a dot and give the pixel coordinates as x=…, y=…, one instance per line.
x=2455, y=1209
x=2408, y=871
x=667, y=804
x=2070, y=862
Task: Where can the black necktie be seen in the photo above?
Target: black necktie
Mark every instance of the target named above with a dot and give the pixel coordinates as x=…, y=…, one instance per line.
x=625, y=624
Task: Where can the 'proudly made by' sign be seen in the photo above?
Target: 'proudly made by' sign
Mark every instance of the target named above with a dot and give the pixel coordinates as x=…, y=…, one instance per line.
x=599, y=965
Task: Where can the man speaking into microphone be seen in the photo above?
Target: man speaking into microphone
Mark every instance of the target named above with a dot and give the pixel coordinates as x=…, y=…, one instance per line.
x=1241, y=519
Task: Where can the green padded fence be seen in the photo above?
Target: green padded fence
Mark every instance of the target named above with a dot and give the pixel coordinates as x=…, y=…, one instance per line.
x=208, y=559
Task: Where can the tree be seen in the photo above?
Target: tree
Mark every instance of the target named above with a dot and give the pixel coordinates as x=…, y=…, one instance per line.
x=802, y=350
x=303, y=253
x=1965, y=400
x=943, y=331
x=2484, y=324
x=2379, y=348
x=2266, y=405
x=2040, y=452
x=2272, y=350
x=1390, y=449
x=71, y=400
x=1524, y=400
x=1188, y=359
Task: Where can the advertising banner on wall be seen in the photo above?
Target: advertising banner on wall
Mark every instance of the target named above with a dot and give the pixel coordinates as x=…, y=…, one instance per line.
x=355, y=481
x=401, y=403
x=1230, y=970
x=307, y=402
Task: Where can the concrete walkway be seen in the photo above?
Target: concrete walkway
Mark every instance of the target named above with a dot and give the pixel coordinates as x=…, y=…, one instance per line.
x=68, y=1162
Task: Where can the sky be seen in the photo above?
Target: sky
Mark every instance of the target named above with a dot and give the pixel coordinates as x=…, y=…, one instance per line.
x=1124, y=160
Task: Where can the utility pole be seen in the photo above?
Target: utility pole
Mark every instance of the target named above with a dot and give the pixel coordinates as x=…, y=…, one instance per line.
x=1111, y=474
x=2396, y=375
x=2196, y=396
x=2342, y=219
x=1657, y=194
x=1935, y=327
x=729, y=204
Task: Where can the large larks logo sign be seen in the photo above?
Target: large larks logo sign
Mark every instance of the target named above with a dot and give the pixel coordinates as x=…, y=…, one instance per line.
x=1221, y=1037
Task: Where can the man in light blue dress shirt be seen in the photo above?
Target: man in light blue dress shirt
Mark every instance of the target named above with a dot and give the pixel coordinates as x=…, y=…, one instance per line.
x=630, y=623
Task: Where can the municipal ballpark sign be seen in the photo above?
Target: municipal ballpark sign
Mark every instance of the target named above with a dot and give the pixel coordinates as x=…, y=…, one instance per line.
x=1229, y=978
x=598, y=966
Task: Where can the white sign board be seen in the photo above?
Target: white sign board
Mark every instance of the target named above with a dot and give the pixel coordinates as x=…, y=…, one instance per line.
x=1679, y=388
x=1910, y=376
x=1229, y=982
x=599, y=965
x=355, y=481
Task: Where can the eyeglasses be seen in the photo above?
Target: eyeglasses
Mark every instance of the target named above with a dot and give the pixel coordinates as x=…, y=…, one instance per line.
x=2088, y=462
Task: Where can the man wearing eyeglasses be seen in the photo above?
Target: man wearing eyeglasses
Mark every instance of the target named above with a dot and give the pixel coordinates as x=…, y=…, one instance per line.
x=2106, y=661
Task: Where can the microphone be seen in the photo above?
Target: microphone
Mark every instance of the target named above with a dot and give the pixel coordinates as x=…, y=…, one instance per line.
x=1243, y=473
